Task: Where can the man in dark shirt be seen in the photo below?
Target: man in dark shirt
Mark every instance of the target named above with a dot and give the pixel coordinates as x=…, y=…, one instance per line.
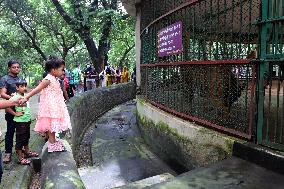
x=8, y=87
x=90, y=74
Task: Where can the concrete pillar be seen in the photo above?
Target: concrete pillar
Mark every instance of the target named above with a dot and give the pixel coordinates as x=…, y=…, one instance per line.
x=138, y=44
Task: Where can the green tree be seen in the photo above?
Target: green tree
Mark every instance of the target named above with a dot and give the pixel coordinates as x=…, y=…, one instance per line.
x=79, y=15
x=31, y=30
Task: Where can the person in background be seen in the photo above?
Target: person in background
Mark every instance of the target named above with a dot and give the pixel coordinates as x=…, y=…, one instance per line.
x=102, y=78
x=71, y=87
x=67, y=74
x=82, y=86
x=133, y=75
x=125, y=75
x=108, y=73
x=63, y=82
x=90, y=74
x=66, y=82
x=8, y=87
x=77, y=77
x=117, y=75
x=22, y=119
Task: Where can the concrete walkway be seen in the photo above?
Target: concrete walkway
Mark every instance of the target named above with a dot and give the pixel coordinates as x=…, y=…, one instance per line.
x=118, y=152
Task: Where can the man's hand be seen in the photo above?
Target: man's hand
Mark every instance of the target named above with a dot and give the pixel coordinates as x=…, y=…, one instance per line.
x=23, y=101
x=17, y=114
x=16, y=102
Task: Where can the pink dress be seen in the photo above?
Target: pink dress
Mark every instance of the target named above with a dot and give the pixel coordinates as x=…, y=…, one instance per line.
x=53, y=114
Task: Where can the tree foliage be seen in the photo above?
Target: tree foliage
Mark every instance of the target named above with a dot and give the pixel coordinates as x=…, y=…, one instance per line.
x=79, y=31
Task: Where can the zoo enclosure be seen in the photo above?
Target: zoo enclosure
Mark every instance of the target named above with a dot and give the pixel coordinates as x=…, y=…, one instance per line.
x=216, y=78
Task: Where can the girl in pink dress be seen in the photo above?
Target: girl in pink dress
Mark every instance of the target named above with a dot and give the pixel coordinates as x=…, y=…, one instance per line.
x=53, y=116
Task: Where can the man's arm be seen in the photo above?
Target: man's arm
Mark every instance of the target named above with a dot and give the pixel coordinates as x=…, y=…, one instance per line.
x=8, y=103
x=4, y=93
x=3, y=88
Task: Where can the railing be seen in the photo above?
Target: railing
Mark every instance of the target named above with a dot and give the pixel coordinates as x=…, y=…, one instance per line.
x=211, y=81
x=218, y=94
x=273, y=116
x=272, y=24
x=270, y=84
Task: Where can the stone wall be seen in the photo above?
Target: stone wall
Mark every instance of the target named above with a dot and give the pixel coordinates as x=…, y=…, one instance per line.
x=84, y=109
x=59, y=170
x=180, y=142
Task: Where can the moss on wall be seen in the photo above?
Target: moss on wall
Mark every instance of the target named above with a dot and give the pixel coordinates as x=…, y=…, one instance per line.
x=188, y=152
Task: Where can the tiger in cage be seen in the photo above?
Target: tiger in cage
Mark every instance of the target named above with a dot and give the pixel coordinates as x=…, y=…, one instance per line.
x=217, y=85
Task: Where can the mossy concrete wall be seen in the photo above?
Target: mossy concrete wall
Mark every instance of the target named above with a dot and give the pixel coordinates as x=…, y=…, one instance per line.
x=84, y=109
x=180, y=141
x=59, y=170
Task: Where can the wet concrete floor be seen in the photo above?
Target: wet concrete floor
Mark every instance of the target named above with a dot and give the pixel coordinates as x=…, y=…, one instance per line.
x=118, y=152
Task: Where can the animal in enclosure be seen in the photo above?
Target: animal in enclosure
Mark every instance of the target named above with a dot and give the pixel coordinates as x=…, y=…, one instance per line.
x=217, y=84
x=214, y=85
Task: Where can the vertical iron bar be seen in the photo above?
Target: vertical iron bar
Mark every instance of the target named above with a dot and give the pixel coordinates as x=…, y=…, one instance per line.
x=211, y=34
x=246, y=96
x=260, y=107
x=209, y=92
x=232, y=35
x=282, y=117
x=215, y=97
x=222, y=67
x=277, y=104
x=250, y=25
x=240, y=32
x=268, y=129
x=218, y=29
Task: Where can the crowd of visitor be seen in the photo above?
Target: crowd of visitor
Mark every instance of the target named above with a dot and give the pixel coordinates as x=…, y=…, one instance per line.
x=77, y=80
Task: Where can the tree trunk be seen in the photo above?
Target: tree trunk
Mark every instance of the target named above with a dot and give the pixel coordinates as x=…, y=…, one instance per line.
x=120, y=64
x=91, y=48
x=96, y=54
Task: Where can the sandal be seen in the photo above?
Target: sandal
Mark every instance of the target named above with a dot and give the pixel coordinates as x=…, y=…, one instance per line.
x=55, y=147
x=7, y=158
x=31, y=154
x=24, y=161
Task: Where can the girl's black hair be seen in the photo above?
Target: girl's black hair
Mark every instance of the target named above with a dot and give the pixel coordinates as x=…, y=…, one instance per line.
x=11, y=62
x=53, y=62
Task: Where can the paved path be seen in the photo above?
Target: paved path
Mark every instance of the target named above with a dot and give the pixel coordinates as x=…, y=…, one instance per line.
x=118, y=152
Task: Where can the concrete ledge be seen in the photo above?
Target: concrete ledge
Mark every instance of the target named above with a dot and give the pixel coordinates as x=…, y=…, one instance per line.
x=232, y=173
x=59, y=170
x=147, y=182
x=260, y=155
x=180, y=142
x=87, y=107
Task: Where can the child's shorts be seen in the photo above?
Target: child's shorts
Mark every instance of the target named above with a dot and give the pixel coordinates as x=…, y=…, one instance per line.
x=22, y=134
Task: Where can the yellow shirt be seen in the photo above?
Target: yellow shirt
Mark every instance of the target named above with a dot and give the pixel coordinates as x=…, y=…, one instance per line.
x=125, y=77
